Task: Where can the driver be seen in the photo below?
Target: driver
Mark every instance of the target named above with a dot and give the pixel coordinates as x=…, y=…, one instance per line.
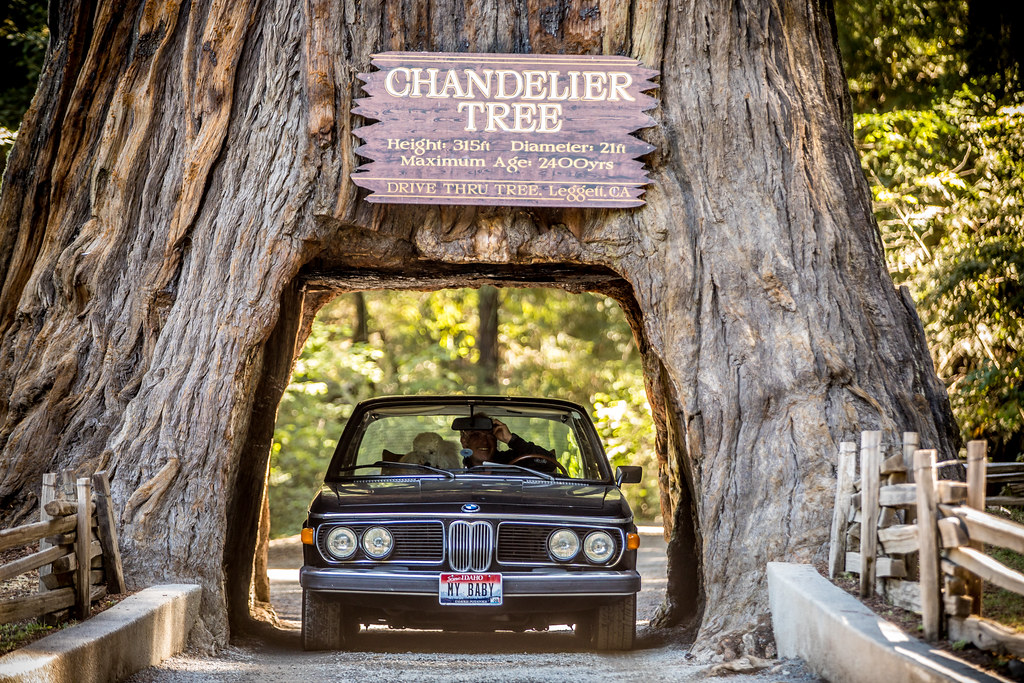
x=484, y=446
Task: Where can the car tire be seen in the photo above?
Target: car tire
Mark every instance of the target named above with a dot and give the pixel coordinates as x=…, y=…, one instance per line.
x=613, y=626
x=322, y=624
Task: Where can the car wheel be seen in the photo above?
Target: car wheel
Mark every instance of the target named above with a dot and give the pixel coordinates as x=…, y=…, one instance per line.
x=322, y=627
x=613, y=626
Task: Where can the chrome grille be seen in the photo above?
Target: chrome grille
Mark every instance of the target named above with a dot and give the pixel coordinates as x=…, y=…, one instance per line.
x=415, y=542
x=527, y=544
x=470, y=545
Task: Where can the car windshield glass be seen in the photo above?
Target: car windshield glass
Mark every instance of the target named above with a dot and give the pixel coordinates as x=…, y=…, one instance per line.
x=425, y=436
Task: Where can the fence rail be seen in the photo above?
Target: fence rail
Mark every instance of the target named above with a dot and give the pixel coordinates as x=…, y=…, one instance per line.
x=78, y=558
x=920, y=540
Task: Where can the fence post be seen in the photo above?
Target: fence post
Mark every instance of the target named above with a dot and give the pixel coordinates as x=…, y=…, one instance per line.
x=976, y=466
x=845, y=475
x=107, y=528
x=927, y=529
x=870, y=464
x=47, y=494
x=83, y=540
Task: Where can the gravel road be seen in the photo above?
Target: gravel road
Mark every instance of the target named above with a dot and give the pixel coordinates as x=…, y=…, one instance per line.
x=425, y=656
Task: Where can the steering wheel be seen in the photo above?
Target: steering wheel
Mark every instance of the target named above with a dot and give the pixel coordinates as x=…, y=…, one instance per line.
x=538, y=456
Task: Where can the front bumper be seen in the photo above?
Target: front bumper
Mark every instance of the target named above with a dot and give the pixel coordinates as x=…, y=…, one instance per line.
x=514, y=585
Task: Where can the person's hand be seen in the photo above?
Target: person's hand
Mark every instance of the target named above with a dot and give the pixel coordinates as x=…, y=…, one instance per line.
x=501, y=431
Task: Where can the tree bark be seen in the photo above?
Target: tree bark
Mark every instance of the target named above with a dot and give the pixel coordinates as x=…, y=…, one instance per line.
x=181, y=180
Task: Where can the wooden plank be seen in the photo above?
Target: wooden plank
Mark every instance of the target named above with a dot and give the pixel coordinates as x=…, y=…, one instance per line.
x=846, y=473
x=34, y=606
x=61, y=539
x=60, y=508
x=1005, y=501
x=927, y=515
x=1004, y=467
x=898, y=495
x=107, y=532
x=888, y=517
x=957, y=605
x=896, y=478
x=54, y=580
x=69, y=562
x=30, y=562
x=893, y=465
x=911, y=443
x=987, y=528
x=987, y=635
x=901, y=538
x=30, y=533
x=987, y=568
x=870, y=460
x=952, y=533
x=1005, y=478
x=82, y=543
x=951, y=492
x=903, y=594
x=976, y=457
x=885, y=567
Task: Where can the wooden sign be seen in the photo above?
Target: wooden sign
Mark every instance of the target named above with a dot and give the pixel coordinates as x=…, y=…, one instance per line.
x=504, y=129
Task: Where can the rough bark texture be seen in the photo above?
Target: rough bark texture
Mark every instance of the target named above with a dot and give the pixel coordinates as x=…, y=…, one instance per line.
x=180, y=184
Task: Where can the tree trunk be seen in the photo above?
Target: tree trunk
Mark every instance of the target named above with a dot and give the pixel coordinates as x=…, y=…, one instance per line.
x=361, y=333
x=181, y=181
x=487, y=340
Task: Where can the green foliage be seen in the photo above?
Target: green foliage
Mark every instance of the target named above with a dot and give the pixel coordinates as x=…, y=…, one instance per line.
x=13, y=636
x=23, y=39
x=936, y=85
x=948, y=184
x=901, y=52
x=552, y=344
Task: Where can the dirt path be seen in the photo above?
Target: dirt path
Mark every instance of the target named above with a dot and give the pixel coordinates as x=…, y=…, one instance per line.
x=426, y=656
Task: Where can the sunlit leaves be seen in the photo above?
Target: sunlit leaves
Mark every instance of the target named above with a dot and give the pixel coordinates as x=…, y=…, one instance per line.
x=948, y=185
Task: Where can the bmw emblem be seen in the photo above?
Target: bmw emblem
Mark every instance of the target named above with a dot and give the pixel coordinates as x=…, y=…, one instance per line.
x=471, y=507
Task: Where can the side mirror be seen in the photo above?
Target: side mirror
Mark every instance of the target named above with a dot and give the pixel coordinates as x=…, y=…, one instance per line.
x=628, y=474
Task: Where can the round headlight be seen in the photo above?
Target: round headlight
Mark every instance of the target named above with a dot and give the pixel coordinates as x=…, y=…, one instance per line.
x=563, y=544
x=341, y=543
x=377, y=542
x=598, y=547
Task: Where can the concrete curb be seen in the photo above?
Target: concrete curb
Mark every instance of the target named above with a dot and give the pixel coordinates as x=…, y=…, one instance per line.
x=139, y=632
x=844, y=641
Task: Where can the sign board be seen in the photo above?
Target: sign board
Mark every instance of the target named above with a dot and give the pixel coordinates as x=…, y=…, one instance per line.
x=504, y=129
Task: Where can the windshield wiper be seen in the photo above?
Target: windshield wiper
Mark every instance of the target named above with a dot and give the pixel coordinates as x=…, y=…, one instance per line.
x=381, y=463
x=493, y=465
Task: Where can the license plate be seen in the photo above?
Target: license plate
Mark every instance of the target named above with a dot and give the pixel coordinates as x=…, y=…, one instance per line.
x=469, y=589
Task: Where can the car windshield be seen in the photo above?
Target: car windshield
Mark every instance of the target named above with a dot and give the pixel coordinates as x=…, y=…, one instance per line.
x=420, y=440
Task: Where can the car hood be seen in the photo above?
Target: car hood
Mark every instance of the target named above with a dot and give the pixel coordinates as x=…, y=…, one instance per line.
x=448, y=495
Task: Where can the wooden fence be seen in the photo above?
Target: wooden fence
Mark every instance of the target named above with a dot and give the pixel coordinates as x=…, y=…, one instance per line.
x=78, y=558
x=920, y=540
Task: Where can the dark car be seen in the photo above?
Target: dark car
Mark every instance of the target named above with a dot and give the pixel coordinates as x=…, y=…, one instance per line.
x=414, y=530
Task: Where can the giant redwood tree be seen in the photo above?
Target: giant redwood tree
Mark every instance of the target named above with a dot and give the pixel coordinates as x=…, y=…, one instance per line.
x=178, y=203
